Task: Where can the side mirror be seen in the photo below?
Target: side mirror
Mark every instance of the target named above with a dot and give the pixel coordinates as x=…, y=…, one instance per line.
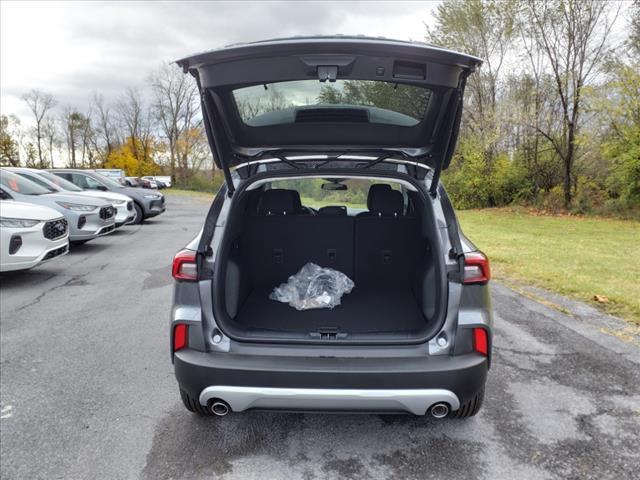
x=102, y=187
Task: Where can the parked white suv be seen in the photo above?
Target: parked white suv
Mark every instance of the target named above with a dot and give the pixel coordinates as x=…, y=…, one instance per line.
x=29, y=235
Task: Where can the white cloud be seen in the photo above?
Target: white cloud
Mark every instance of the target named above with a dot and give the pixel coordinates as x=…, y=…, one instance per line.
x=73, y=48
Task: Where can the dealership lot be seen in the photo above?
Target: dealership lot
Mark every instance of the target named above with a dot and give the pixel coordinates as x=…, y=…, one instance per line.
x=87, y=388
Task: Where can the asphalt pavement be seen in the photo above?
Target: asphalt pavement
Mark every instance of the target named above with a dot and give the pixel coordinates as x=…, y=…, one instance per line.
x=87, y=388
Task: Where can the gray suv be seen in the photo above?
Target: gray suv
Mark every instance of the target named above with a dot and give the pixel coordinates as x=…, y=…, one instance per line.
x=146, y=203
x=332, y=149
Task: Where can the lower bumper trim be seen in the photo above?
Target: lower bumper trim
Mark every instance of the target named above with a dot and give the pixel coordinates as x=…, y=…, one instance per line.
x=415, y=401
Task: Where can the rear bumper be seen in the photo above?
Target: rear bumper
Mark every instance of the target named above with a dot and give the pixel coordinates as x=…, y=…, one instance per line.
x=417, y=401
x=347, y=384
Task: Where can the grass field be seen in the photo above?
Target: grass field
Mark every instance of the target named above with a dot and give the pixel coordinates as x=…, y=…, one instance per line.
x=577, y=257
x=197, y=195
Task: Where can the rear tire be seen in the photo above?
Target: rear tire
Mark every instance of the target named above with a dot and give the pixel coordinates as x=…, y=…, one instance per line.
x=193, y=405
x=470, y=408
x=139, y=215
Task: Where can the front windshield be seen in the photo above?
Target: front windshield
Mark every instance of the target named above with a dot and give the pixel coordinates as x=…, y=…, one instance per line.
x=40, y=181
x=59, y=181
x=20, y=185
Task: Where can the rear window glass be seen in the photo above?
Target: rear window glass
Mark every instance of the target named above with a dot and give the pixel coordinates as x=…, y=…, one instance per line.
x=352, y=195
x=365, y=101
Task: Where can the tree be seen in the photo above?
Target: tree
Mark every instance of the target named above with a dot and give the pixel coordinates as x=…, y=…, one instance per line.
x=124, y=157
x=40, y=103
x=50, y=137
x=486, y=29
x=634, y=30
x=135, y=119
x=176, y=108
x=106, y=136
x=572, y=37
x=73, y=123
x=9, y=146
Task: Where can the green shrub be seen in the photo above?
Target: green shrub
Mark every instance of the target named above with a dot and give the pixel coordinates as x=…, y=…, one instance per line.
x=624, y=179
x=474, y=181
x=202, y=183
x=589, y=196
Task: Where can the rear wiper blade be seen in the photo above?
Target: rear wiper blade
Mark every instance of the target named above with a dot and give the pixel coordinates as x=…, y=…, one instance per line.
x=283, y=159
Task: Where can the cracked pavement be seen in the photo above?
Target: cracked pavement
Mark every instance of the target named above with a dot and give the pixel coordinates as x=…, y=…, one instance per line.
x=87, y=388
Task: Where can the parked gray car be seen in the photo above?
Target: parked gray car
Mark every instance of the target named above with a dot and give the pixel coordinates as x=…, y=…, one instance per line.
x=88, y=217
x=414, y=334
x=147, y=203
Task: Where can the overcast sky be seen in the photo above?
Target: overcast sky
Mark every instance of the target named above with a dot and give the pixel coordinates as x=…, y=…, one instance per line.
x=73, y=48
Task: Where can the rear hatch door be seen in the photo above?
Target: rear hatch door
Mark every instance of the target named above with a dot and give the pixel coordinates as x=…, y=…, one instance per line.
x=331, y=95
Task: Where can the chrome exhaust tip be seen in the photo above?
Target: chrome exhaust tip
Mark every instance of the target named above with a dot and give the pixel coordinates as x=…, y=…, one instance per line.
x=439, y=410
x=219, y=408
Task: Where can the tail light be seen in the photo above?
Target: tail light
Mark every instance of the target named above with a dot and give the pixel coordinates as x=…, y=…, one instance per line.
x=180, y=335
x=476, y=268
x=480, y=341
x=184, y=266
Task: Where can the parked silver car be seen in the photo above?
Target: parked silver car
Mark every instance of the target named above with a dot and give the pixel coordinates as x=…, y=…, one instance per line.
x=88, y=217
x=122, y=203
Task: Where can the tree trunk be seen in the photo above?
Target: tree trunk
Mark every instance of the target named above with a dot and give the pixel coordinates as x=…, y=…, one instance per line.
x=39, y=133
x=568, y=166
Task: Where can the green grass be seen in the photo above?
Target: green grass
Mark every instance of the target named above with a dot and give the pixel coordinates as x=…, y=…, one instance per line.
x=200, y=196
x=577, y=257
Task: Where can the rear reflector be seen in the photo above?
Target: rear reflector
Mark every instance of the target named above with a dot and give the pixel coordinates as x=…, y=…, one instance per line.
x=184, y=266
x=180, y=332
x=476, y=268
x=480, y=341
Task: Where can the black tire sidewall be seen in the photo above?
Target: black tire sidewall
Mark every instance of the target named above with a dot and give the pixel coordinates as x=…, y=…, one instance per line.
x=139, y=214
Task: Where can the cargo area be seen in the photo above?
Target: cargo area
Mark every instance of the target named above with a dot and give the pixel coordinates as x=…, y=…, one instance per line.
x=384, y=249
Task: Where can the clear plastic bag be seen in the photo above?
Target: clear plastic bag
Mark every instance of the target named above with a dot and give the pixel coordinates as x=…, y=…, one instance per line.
x=313, y=287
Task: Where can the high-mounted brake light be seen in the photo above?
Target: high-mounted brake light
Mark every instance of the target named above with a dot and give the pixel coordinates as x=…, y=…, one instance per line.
x=476, y=268
x=480, y=341
x=180, y=335
x=184, y=266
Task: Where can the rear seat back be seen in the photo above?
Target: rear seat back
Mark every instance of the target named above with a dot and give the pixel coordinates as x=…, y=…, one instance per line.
x=278, y=244
x=381, y=248
x=388, y=244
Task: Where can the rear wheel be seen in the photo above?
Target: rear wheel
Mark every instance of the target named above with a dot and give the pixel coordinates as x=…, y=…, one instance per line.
x=470, y=408
x=193, y=405
x=139, y=215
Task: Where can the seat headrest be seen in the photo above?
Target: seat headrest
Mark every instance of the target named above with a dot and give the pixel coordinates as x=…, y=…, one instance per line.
x=374, y=190
x=333, y=210
x=278, y=201
x=387, y=203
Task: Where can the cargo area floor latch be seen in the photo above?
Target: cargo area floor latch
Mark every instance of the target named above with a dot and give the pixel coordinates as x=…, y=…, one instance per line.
x=328, y=333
